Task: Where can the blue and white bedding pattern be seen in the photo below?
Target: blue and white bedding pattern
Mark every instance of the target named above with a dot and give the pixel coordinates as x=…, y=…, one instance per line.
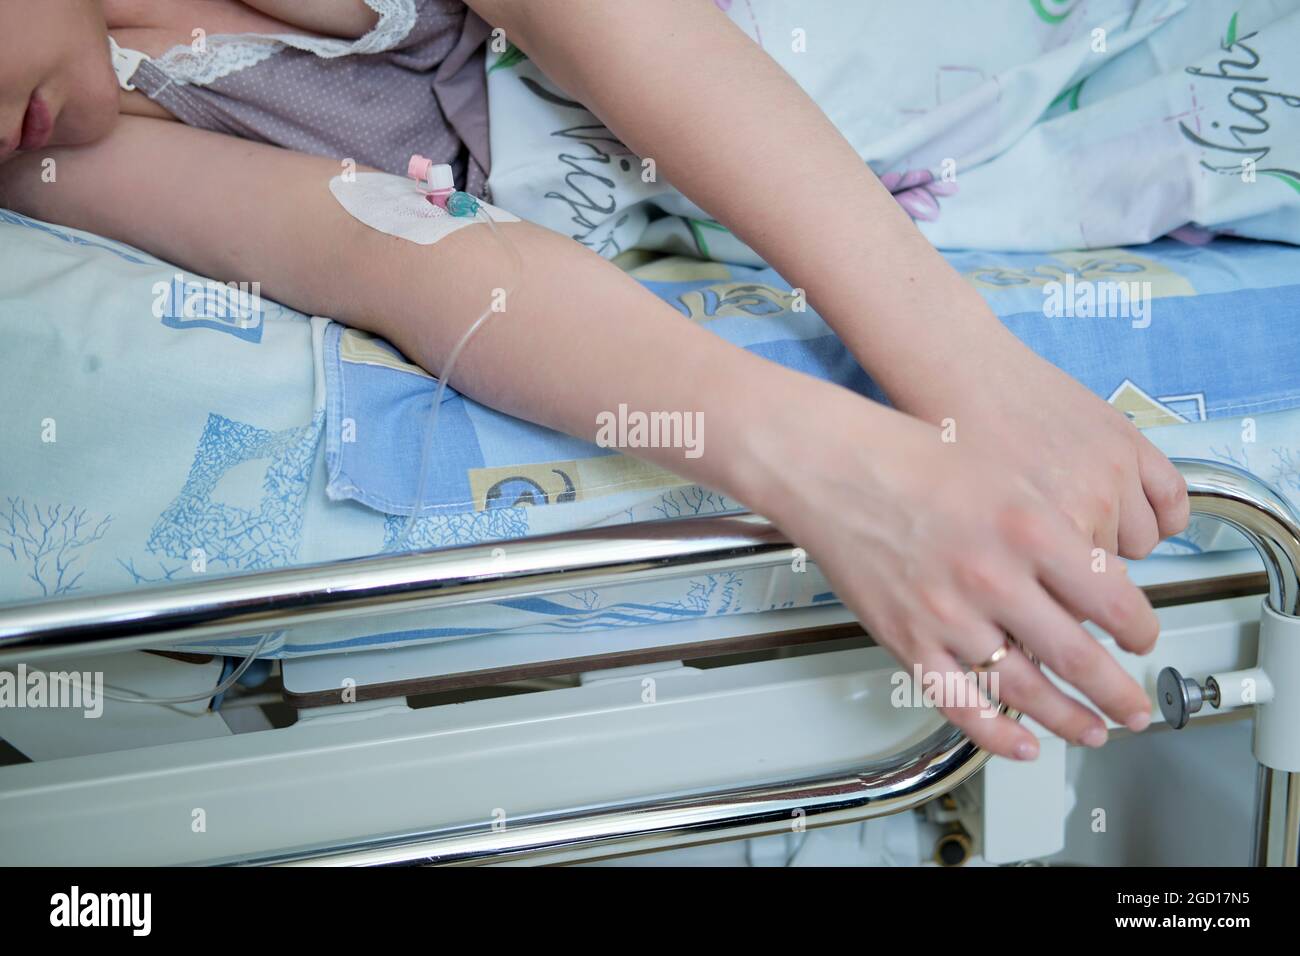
x=156, y=427
x=1197, y=342
x=1002, y=124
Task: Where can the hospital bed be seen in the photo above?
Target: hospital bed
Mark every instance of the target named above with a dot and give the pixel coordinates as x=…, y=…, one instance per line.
x=520, y=697
x=378, y=760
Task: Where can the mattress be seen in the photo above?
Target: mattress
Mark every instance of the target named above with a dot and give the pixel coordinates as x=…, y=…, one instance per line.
x=157, y=426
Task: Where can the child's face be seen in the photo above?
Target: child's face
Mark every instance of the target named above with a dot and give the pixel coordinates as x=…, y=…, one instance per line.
x=57, y=85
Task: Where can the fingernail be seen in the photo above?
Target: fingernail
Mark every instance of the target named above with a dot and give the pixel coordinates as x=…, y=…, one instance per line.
x=1093, y=737
x=1026, y=750
x=1139, y=721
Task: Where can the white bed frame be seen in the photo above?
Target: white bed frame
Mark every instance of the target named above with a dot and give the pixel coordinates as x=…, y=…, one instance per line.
x=644, y=756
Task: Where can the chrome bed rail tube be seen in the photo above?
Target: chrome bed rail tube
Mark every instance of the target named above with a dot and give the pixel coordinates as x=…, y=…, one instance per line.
x=1238, y=498
x=899, y=782
x=1277, y=818
x=239, y=605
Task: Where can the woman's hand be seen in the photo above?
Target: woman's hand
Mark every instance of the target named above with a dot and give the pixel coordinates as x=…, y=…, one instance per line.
x=940, y=547
x=1082, y=454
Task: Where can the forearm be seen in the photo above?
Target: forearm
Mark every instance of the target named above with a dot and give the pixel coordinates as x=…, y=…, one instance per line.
x=759, y=155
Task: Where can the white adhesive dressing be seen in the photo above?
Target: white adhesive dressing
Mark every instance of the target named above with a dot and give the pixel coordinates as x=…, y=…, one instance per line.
x=396, y=206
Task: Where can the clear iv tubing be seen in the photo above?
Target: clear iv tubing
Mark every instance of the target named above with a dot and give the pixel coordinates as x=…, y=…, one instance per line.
x=426, y=452
x=225, y=685
x=426, y=449
x=128, y=697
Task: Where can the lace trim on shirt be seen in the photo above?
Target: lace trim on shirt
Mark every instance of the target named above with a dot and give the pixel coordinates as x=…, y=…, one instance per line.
x=229, y=53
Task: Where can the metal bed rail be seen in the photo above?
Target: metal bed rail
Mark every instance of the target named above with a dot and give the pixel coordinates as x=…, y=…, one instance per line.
x=240, y=605
x=237, y=605
x=914, y=776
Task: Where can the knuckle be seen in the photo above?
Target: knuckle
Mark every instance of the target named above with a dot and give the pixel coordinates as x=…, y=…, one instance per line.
x=1145, y=628
x=941, y=605
x=984, y=579
x=1075, y=661
x=1118, y=608
x=1015, y=685
x=964, y=719
x=1169, y=492
x=1025, y=529
x=1143, y=543
x=1121, y=613
x=889, y=630
x=1134, y=550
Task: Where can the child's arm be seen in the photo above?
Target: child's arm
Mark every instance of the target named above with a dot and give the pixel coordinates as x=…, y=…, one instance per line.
x=155, y=27
x=933, y=545
x=337, y=18
x=677, y=81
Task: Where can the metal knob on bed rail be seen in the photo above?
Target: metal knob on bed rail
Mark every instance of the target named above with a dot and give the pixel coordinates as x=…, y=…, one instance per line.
x=1179, y=697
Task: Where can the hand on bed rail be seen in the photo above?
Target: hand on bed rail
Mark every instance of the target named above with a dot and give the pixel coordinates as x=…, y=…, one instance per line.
x=944, y=547
x=1079, y=451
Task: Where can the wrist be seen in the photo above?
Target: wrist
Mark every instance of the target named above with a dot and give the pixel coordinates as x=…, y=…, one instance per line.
x=939, y=348
x=789, y=431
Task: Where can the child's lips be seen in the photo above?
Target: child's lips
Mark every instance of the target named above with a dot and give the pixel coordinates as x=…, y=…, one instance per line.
x=38, y=125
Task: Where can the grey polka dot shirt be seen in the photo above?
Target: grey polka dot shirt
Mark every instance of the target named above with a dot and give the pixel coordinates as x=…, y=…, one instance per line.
x=426, y=95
